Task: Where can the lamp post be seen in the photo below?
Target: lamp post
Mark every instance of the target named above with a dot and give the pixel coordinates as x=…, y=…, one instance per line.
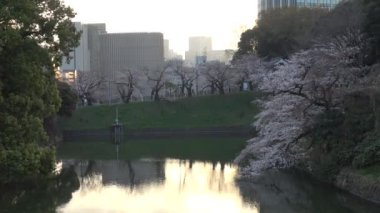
x=117, y=130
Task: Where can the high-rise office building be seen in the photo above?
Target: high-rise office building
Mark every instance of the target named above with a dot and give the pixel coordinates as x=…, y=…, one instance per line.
x=94, y=33
x=265, y=5
x=85, y=57
x=166, y=49
x=80, y=57
x=121, y=51
x=198, y=46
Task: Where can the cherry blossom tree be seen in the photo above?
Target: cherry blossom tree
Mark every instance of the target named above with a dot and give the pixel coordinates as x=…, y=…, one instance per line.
x=245, y=68
x=217, y=75
x=310, y=83
x=191, y=75
x=127, y=82
x=86, y=83
x=186, y=75
x=156, y=80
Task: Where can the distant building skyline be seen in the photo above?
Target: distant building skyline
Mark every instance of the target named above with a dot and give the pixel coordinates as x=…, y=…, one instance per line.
x=223, y=20
x=264, y=5
x=106, y=54
x=100, y=51
x=201, y=48
x=198, y=46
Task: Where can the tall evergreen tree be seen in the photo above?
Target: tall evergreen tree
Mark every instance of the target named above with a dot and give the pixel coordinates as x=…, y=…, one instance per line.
x=280, y=32
x=34, y=35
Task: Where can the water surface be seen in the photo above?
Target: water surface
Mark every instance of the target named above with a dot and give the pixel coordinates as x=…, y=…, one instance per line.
x=172, y=185
x=155, y=186
x=176, y=175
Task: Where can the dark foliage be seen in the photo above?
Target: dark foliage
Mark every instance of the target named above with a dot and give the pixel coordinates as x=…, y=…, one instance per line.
x=280, y=32
x=34, y=35
x=69, y=99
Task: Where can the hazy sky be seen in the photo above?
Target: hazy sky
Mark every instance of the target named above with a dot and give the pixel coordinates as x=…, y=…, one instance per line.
x=223, y=20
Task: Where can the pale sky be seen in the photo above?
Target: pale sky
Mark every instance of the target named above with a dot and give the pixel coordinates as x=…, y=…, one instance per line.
x=223, y=20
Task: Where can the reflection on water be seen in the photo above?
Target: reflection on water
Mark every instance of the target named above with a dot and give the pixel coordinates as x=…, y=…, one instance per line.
x=170, y=185
x=289, y=192
x=175, y=186
x=194, y=186
x=44, y=196
x=155, y=186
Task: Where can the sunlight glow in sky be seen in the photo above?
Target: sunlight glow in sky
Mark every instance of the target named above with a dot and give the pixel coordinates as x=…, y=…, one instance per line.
x=223, y=20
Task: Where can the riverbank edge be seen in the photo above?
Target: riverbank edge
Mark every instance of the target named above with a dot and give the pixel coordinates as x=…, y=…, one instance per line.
x=104, y=134
x=347, y=180
x=362, y=186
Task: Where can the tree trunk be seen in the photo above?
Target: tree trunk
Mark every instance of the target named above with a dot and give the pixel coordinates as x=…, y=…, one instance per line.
x=127, y=98
x=129, y=95
x=212, y=88
x=221, y=89
x=189, y=92
x=152, y=95
x=182, y=90
x=156, y=96
x=250, y=84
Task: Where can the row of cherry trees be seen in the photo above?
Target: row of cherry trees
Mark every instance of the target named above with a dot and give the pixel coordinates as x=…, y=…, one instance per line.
x=174, y=77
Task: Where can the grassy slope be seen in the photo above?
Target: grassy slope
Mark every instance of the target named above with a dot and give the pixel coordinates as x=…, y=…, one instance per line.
x=208, y=111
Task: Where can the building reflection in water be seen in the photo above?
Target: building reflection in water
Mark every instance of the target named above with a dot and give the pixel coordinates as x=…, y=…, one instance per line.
x=156, y=186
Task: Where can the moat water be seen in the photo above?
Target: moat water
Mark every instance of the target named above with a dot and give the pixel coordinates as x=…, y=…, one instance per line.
x=177, y=185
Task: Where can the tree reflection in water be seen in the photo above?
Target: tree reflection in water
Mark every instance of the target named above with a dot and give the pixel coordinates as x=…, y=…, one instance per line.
x=96, y=173
x=175, y=186
x=167, y=185
x=42, y=196
x=293, y=192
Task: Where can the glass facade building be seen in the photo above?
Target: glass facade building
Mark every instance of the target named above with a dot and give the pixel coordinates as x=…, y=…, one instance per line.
x=273, y=4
